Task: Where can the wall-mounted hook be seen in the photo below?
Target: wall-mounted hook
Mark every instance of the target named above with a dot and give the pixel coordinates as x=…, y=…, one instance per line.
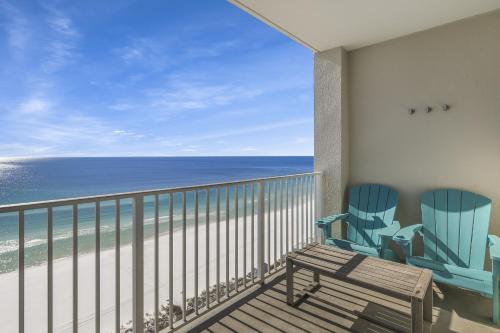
x=412, y=110
x=428, y=109
x=445, y=107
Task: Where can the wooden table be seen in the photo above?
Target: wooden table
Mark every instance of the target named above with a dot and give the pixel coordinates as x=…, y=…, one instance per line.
x=402, y=281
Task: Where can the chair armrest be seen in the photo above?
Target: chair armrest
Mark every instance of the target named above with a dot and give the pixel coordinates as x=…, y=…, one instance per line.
x=390, y=230
x=406, y=235
x=494, y=245
x=326, y=222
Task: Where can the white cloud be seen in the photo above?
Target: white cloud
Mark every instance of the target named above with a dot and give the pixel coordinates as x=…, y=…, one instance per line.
x=209, y=50
x=301, y=140
x=62, y=47
x=35, y=105
x=63, y=26
x=249, y=130
x=17, y=27
x=130, y=54
x=130, y=134
x=145, y=52
x=194, y=95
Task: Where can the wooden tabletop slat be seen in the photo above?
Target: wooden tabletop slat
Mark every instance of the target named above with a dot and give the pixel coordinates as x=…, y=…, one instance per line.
x=394, y=278
x=334, y=251
x=368, y=265
x=362, y=269
x=411, y=272
x=356, y=273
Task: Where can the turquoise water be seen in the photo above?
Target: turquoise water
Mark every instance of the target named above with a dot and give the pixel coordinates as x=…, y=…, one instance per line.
x=55, y=178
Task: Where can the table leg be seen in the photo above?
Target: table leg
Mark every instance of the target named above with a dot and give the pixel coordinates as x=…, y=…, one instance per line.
x=289, y=281
x=428, y=303
x=417, y=315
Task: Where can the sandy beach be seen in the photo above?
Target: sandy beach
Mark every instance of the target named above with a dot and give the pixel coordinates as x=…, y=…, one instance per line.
x=36, y=279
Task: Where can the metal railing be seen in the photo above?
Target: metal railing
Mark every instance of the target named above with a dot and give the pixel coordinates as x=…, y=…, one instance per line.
x=236, y=233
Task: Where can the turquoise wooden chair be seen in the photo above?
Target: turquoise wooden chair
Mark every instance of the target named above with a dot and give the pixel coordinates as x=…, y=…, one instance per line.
x=370, y=221
x=455, y=236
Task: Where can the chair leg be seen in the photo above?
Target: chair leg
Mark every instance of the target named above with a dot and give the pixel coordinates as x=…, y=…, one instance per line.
x=383, y=245
x=408, y=250
x=495, y=300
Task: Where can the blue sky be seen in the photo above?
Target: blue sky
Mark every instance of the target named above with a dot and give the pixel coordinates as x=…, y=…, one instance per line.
x=146, y=78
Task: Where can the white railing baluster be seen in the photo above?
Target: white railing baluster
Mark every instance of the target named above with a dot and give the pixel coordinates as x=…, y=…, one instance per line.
x=217, y=254
x=236, y=197
x=97, y=267
x=50, y=271
x=307, y=210
x=297, y=213
x=275, y=231
x=244, y=235
x=196, y=251
x=281, y=221
x=184, y=256
x=75, y=267
x=292, y=214
x=260, y=232
x=138, y=264
x=157, y=262
x=170, y=259
x=313, y=222
x=227, y=240
x=117, y=265
x=286, y=215
x=311, y=219
x=21, y=270
x=302, y=219
x=252, y=234
x=207, y=247
x=268, y=245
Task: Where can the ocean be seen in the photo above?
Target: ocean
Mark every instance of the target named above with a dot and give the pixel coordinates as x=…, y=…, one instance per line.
x=28, y=180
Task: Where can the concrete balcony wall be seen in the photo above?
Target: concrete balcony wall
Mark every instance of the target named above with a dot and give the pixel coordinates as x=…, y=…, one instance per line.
x=457, y=64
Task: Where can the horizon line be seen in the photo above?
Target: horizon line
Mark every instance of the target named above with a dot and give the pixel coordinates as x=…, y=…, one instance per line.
x=144, y=156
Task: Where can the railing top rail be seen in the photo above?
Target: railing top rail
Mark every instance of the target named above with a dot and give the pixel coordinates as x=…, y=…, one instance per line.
x=127, y=195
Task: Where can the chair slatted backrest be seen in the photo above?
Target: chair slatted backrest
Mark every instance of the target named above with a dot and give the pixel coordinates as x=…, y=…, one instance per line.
x=455, y=227
x=371, y=207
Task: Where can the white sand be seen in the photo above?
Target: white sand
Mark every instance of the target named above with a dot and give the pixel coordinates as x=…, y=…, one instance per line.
x=36, y=279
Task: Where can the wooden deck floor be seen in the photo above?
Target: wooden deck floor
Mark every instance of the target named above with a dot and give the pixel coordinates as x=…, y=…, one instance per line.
x=340, y=307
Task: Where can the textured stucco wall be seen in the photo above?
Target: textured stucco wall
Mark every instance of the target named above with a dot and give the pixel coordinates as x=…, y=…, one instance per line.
x=458, y=64
x=331, y=126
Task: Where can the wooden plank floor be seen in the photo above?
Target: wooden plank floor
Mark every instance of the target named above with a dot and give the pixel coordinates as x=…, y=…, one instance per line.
x=338, y=307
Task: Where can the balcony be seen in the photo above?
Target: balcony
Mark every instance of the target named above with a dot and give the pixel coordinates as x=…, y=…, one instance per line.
x=228, y=238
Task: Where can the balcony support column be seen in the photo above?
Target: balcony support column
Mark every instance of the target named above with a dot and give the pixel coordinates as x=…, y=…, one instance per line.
x=331, y=129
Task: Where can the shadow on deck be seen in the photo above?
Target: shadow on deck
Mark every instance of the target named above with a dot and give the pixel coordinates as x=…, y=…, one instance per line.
x=340, y=307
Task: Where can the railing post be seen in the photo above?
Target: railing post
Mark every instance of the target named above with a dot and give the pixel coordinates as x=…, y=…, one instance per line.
x=138, y=265
x=260, y=232
x=318, y=186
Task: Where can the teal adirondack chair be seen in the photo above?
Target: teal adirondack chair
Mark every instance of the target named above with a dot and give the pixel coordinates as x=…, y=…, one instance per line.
x=370, y=221
x=455, y=236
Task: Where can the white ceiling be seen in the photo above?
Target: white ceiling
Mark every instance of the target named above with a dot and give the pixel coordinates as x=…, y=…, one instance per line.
x=325, y=24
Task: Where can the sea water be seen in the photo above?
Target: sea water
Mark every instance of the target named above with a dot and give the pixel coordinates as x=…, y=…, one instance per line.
x=29, y=180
